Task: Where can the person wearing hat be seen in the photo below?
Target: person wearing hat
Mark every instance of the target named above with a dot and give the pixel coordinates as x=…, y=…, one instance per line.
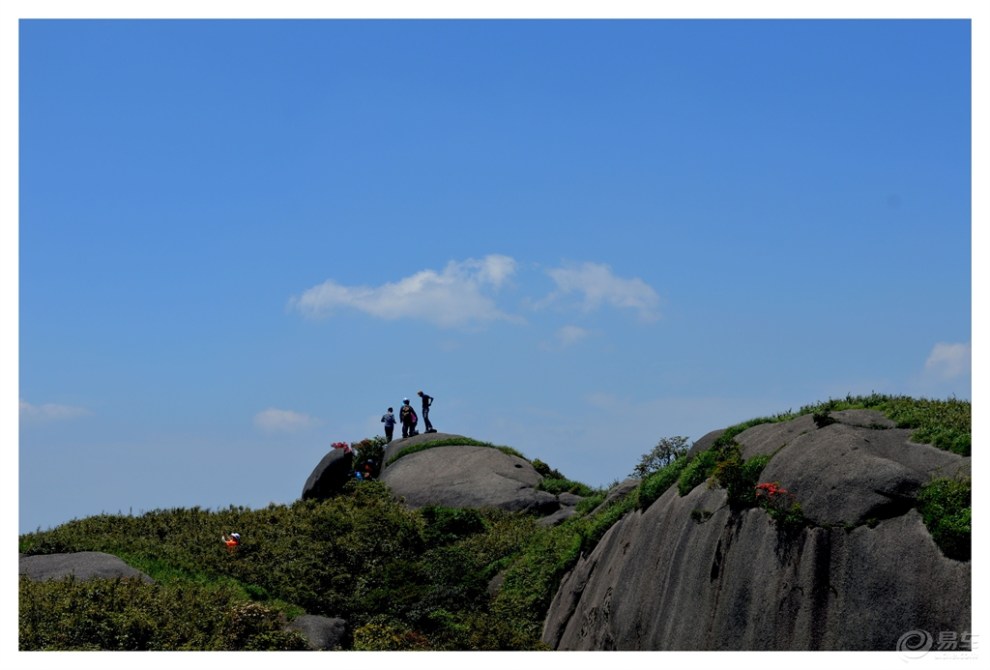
x=427, y=401
x=232, y=542
x=407, y=418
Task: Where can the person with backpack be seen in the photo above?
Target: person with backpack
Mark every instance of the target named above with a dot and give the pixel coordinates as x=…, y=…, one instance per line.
x=231, y=542
x=408, y=418
x=427, y=402
x=389, y=420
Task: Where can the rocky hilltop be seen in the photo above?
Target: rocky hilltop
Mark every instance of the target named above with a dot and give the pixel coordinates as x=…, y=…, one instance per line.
x=828, y=530
x=695, y=572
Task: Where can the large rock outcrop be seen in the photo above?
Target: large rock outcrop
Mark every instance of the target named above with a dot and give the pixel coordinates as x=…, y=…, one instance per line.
x=82, y=565
x=393, y=448
x=691, y=573
x=321, y=633
x=465, y=476
x=329, y=475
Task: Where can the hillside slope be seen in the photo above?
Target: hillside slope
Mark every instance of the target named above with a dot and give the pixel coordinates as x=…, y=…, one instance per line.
x=833, y=556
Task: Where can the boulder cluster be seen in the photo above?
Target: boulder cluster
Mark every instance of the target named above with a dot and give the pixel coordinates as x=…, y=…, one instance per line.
x=453, y=475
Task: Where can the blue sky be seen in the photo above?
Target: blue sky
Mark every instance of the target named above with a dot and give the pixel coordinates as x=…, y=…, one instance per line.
x=242, y=241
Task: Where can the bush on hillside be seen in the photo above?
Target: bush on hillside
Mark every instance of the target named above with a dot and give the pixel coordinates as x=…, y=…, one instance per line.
x=666, y=451
x=945, y=506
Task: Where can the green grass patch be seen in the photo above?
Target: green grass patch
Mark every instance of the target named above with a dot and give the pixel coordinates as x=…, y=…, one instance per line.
x=563, y=485
x=945, y=506
x=697, y=471
x=739, y=477
x=656, y=484
x=590, y=503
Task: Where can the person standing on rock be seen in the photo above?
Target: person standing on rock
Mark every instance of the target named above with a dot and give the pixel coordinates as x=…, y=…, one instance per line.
x=427, y=402
x=389, y=420
x=406, y=418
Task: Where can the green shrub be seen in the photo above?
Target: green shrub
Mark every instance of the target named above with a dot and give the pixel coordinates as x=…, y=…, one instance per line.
x=130, y=615
x=945, y=506
x=545, y=470
x=590, y=503
x=666, y=451
x=656, y=484
x=558, y=486
x=738, y=477
x=697, y=471
x=781, y=506
x=383, y=633
x=443, y=525
x=372, y=449
x=591, y=529
x=823, y=418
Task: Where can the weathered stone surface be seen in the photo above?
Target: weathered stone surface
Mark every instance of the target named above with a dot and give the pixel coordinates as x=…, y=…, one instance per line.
x=558, y=517
x=395, y=446
x=569, y=499
x=82, y=565
x=329, y=475
x=468, y=476
x=620, y=490
x=850, y=471
x=662, y=580
x=838, y=480
x=705, y=442
x=321, y=633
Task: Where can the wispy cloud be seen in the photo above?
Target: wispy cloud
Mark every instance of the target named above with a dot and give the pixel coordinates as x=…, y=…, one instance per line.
x=949, y=360
x=283, y=420
x=568, y=335
x=459, y=295
x=596, y=284
x=50, y=412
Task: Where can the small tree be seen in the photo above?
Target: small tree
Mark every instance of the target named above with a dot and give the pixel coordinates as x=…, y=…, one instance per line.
x=668, y=450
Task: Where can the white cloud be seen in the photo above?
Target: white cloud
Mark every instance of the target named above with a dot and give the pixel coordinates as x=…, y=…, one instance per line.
x=454, y=297
x=283, y=420
x=597, y=285
x=568, y=335
x=50, y=412
x=949, y=361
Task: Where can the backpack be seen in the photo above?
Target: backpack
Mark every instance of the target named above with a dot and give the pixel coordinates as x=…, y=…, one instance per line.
x=413, y=419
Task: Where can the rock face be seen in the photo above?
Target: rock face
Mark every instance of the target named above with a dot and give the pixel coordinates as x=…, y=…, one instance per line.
x=322, y=633
x=393, y=448
x=863, y=574
x=467, y=476
x=82, y=565
x=329, y=476
x=620, y=490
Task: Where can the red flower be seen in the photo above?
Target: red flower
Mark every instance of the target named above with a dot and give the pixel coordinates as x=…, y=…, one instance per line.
x=770, y=489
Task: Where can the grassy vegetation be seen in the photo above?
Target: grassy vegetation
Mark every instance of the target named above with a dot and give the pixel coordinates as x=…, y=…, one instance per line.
x=946, y=424
x=945, y=506
x=129, y=615
x=657, y=483
x=560, y=485
x=403, y=579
